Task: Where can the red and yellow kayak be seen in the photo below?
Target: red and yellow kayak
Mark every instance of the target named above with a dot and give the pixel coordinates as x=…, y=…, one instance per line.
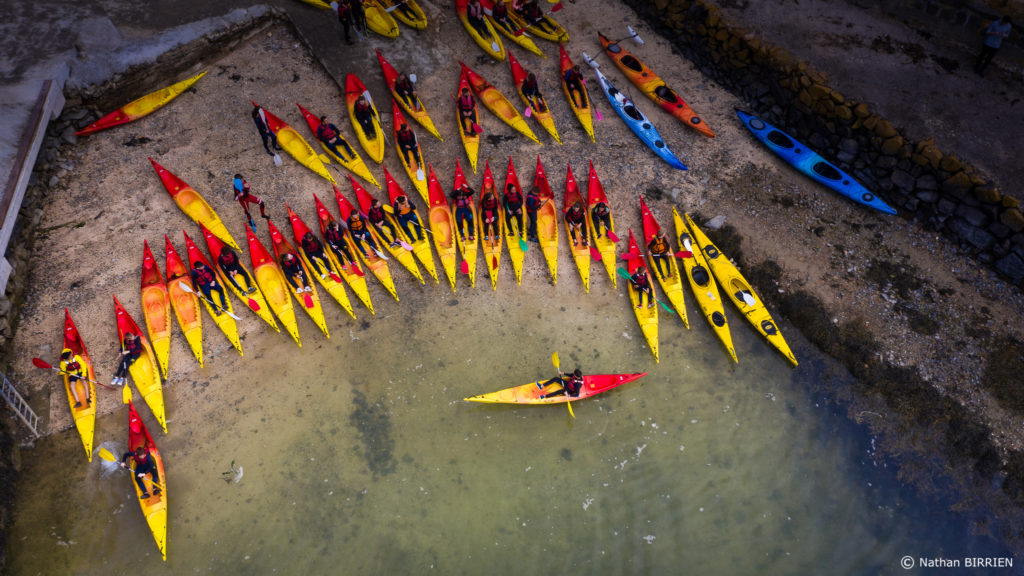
x=580, y=248
x=442, y=225
x=273, y=284
x=414, y=18
x=184, y=300
x=739, y=291
x=154, y=508
x=84, y=415
x=373, y=144
x=531, y=392
x=556, y=33
x=353, y=164
x=331, y=281
x=142, y=107
x=466, y=238
x=373, y=260
x=540, y=110
x=308, y=301
x=420, y=247
x=547, y=221
x=156, y=308
x=295, y=145
x=492, y=43
x=491, y=244
x=144, y=371
x=254, y=299
x=419, y=112
x=672, y=284
x=605, y=245
x=193, y=205
x=514, y=236
x=705, y=289
x=224, y=321
x=508, y=29
x=496, y=102
x=413, y=169
x=646, y=315
x=471, y=141
x=584, y=113
x=653, y=86
x=350, y=271
x=404, y=257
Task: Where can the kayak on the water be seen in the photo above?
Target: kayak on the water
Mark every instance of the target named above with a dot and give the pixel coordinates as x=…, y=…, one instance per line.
x=537, y=393
x=144, y=370
x=154, y=501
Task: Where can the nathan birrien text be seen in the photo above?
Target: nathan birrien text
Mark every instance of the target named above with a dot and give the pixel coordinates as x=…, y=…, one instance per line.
x=967, y=562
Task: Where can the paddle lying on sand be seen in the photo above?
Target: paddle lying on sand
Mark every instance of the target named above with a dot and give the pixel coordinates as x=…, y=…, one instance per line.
x=554, y=360
x=40, y=363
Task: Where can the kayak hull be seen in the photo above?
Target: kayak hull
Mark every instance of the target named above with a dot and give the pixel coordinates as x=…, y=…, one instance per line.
x=420, y=245
x=605, y=246
x=156, y=308
x=353, y=164
x=308, y=301
x=647, y=314
x=672, y=284
x=471, y=142
x=547, y=221
x=272, y=283
x=442, y=226
x=223, y=320
x=581, y=109
x=373, y=144
x=154, y=508
x=541, y=113
x=466, y=237
x=254, y=300
x=84, y=415
x=349, y=271
x=142, y=107
x=497, y=103
x=491, y=45
x=580, y=245
x=419, y=112
x=144, y=371
x=531, y=392
x=514, y=234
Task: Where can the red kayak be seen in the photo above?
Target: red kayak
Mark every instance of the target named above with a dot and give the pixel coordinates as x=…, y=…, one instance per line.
x=531, y=393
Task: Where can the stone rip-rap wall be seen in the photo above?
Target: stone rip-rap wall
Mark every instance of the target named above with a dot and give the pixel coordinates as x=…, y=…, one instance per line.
x=922, y=181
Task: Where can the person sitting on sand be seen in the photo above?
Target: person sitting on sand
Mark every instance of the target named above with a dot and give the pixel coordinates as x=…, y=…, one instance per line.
x=467, y=112
x=576, y=218
x=568, y=385
x=336, y=241
x=131, y=349
x=74, y=368
x=231, y=267
x=377, y=217
x=513, y=201
x=206, y=280
x=531, y=91
x=364, y=115
x=331, y=137
x=489, y=215
x=315, y=253
x=360, y=232
x=660, y=251
x=144, y=464
x=406, y=90
x=405, y=212
x=463, y=197
x=642, y=283
x=600, y=214
x=293, y=271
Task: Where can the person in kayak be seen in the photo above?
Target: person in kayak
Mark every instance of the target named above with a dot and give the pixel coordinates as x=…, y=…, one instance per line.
x=660, y=251
x=358, y=15
x=576, y=218
x=74, y=368
x=315, y=253
x=293, y=271
x=531, y=91
x=489, y=215
x=513, y=201
x=499, y=15
x=131, y=349
x=364, y=115
x=642, y=282
x=206, y=280
x=403, y=5
x=337, y=243
x=407, y=143
x=534, y=16
x=344, y=11
x=533, y=205
x=406, y=90
x=475, y=16
x=377, y=217
x=405, y=212
x=463, y=198
x=245, y=197
x=228, y=262
x=600, y=214
x=331, y=137
x=144, y=464
x=360, y=233
x=569, y=385
x=574, y=83
x=260, y=119
x=467, y=112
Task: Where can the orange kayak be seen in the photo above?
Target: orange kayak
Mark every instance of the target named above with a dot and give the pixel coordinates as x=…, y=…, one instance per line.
x=653, y=86
x=193, y=205
x=156, y=308
x=497, y=103
x=547, y=221
x=184, y=300
x=442, y=225
x=142, y=107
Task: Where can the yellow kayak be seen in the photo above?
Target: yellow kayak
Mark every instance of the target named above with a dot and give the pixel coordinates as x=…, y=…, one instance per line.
x=420, y=246
x=193, y=205
x=419, y=111
x=85, y=414
x=222, y=316
x=538, y=109
x=740, y=292
x=144, y=371
x=491, y=243
x=349, y=270
x=705, y=289
x=143, y=106
x=154, y=508
x=247, y=291
x=497, y=103
x=551, y=30
x=466, y=237
x=184, y=300
x=308, y=300
x=514, y=234
x=273, y=284
x=604, y=240
x=374, y=259
x=671, y=284
x=547, y=221
x=353, y=163
x=442, y=225
x=393, y=245
x=471, y=138
x=331, y=280
x=580, y=103
x=156, y=308
x=413, y=169
x=488, y=41
x=407, y=12
x=295, y=145
x=580, y=246
x=372, y=143
x=646, y=315
x=379, y=19
x=508, y=29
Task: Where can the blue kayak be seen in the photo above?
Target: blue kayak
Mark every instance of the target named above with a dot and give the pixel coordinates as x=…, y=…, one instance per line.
x=637, y=121
x=811, y=163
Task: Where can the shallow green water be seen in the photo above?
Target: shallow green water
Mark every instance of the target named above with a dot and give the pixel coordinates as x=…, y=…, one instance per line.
x=360, y=457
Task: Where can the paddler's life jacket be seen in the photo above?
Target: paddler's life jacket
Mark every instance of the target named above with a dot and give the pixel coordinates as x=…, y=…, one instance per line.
x=658, y=245
x=326, y=132
x=375, y=215
x=227, y=259
x=356, y=224
x=135, y=348
x=291, y=269
x=575, y=215
x=466, y=103
x=513, y=198
x=463, y=198
x=203, y=276
x=311, y=245
x=404, y=209
x=533, y=202
x=72, y=365
x=406, y=138
x=335, y=237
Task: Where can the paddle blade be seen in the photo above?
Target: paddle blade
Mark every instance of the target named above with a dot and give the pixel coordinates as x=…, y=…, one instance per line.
x=277, y=160
x=335, y=277
x=684, y=254
x=477, y=128
x=307, y=299
x=356, y=270
x=568, y=403
x=523, y=245
x=412, y=78
x=40, y=363
x=595, y=254
x=557, y=7
x=106, y=455
x=665, y=306
x=254, y=305
x=554, y=360
x=528, y=112
x=519, y=32
x=494, y=261
x=612, y=236
x=126, y=394
x=405, y=245
x=599, y=117
x=464, y=267
x=747, y=298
